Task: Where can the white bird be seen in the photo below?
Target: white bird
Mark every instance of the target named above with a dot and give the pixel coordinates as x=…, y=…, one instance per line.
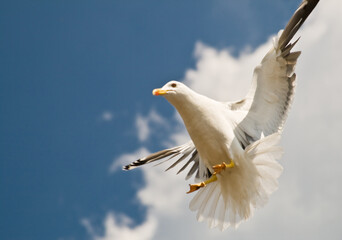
x=235, y=145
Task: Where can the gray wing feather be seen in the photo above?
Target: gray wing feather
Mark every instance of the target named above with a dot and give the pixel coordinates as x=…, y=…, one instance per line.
x=181, y=153
x=296, y=21
x=270, y=97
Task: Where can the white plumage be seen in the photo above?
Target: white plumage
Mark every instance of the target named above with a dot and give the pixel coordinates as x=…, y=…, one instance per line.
x=240, y=190
x=246, y=132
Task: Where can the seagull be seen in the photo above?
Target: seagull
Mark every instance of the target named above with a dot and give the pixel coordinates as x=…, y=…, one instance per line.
x=234, y=146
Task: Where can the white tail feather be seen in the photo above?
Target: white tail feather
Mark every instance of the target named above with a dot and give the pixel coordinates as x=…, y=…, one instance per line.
x=238, y=191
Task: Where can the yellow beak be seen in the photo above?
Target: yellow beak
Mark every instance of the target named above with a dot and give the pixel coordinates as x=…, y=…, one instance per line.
x=159, y=91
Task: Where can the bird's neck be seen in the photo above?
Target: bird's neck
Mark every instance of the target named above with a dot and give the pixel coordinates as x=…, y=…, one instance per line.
x=193, y=108
x=187, y=106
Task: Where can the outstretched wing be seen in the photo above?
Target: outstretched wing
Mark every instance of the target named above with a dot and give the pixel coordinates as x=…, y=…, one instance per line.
x=185, y=153
x=270, y=96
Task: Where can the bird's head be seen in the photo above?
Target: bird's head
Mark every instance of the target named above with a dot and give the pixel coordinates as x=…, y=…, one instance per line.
x=178, y=94
x=172, y=89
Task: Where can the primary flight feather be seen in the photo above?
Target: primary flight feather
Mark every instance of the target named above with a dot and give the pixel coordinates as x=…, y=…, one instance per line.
x=235, y=145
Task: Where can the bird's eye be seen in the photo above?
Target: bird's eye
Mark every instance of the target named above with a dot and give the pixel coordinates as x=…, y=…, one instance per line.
x=173, y=85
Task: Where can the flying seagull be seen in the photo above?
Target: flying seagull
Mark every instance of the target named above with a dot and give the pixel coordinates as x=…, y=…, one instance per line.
x=235, y=145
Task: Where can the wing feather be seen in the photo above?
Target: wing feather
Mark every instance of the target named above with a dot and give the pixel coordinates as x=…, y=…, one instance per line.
x=185, y=153
x=271, y=94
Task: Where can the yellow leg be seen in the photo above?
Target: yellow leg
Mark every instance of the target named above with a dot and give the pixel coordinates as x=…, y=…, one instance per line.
x=195, y=187
x=219, y=167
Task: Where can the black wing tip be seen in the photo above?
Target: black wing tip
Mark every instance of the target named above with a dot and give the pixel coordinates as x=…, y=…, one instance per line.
x=126, y=168
x=296, y=21
x=134, y=164
x=129, y=167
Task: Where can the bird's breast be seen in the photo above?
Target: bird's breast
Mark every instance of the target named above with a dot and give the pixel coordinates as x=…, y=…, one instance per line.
x=211, y=132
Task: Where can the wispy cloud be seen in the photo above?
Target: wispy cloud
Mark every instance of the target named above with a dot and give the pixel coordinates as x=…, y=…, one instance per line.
x=307, y=204
x=107, y=116
x=143, y=124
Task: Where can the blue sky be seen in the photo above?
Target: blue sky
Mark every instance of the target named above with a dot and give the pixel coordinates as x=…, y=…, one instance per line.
x=74, y=77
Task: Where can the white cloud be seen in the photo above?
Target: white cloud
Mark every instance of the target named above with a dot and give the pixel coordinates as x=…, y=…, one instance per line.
x=118, y=227
x=143, y=124
x=307, y=204
x=107, y=116
x=221, y=76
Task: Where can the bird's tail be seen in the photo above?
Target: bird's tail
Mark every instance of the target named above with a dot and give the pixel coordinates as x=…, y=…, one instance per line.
x=243, y=188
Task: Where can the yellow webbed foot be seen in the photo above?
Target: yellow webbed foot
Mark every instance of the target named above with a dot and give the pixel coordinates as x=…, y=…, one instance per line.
x=219, y=167
x=195, y=187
